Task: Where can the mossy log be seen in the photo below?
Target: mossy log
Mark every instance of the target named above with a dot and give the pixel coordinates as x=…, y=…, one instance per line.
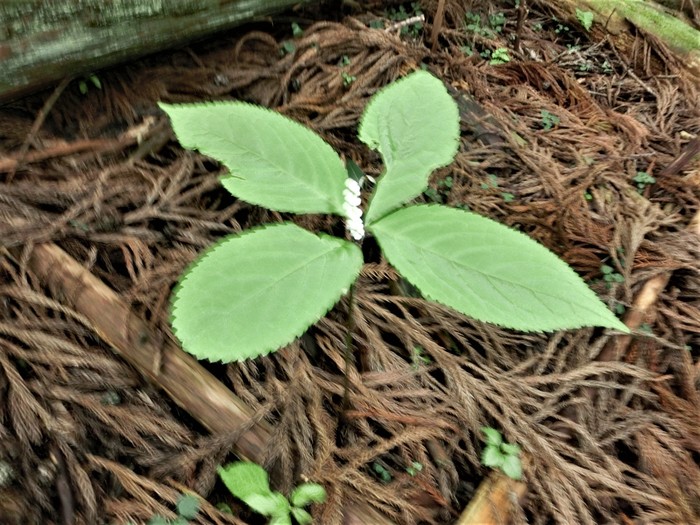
x=649, y=17
x=42, y=42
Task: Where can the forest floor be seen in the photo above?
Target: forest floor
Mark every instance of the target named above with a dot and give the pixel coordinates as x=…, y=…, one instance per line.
x=583, y=140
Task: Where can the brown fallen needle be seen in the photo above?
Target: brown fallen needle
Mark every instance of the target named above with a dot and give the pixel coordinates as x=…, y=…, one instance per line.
x=497, y=494
x=189, y=384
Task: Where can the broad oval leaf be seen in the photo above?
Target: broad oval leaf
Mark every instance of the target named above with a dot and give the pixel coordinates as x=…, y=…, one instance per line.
x=253, y=293
x=488, y=271
x=273, y=161
x=308, y=493
x=245, y=478
x=414, y=123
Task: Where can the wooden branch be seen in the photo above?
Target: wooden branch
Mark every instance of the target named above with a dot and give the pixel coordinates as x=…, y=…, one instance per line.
x=190, y=385
x=42, y=42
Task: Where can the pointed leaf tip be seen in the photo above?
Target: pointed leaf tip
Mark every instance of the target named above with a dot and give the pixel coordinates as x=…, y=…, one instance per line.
x=488, y=271
x=414, y=124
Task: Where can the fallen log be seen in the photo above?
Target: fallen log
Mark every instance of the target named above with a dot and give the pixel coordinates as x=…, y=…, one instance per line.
x=42, y=42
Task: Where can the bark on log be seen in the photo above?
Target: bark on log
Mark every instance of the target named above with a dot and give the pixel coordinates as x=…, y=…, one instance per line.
x=42, y=42
x=648, y=16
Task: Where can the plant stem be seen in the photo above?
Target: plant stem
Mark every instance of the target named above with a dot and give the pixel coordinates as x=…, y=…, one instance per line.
x=349, y=329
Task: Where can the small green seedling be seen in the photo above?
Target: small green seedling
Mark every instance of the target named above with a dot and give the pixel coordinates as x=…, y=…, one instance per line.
x=399, y=15
x=249, y=483
x=500, y=455
x=585, y=18
x=348, y=79
x=254, y=292
x=187, y=508
x=382, y=472
x=414, y=468
x=297, y=31
x=549, y=120
x=499, y=56
x=83, y=83
x=643, y=179
x=610, y=276
x=473, y=24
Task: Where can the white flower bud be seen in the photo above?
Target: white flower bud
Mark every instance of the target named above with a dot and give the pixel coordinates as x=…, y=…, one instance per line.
x=352, y=185
x=351, y=207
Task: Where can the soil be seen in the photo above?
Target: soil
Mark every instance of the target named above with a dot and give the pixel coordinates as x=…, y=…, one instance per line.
x=553, y=142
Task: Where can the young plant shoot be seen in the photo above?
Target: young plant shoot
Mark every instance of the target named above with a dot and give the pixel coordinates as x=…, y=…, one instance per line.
x=255, y=292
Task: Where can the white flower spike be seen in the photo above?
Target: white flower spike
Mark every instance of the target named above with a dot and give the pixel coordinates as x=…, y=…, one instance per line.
x=351, y=207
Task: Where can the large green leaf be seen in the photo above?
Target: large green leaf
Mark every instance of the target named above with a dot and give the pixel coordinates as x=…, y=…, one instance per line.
x=414, y=123
x=253, y=293
x=273, y=161
x=488, y=271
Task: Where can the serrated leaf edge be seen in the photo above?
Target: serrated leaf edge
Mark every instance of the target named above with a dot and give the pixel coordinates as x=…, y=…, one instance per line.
x=231, y=172
x=544, y=328
x=203, y=255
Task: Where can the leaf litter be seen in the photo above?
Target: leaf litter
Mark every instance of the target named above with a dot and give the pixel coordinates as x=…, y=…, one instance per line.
x=86, y=438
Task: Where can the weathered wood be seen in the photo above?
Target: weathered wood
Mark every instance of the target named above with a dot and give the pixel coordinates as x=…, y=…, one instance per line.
x=189, y=384
x=648, y=16
x=42, y=42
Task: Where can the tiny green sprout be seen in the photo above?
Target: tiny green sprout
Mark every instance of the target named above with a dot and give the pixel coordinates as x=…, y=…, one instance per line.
x=585, y=17
x=610, y=276
x=646, y=328
x=549, y=120
x=249, y=483
x=187, y=508
x=500, y=455
x=344, y=61
x=348, y=79
x=643, y=179
x=414, y=468
x=287, y=48
x=491, y=182
x=382, y=472
x=507, y=197
x=467, y=50
x=297, y=31
x=418, y=358
x=83, y=83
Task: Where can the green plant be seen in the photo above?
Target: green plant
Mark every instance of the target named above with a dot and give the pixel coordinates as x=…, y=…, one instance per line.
x=187, y=508
x=499, y=56
x=439, y=195
x=382, y=472
x=347, y=78
x=254, y=292
x=297, y=31
x=549, y=120
x=83, y=83
x=249, y=483
x=418, y=358
x=610, y=276
x=643, y=179
x=585, y=17
x=473, y=23
x=414, y=468
x=400, y=14
x=500, y=455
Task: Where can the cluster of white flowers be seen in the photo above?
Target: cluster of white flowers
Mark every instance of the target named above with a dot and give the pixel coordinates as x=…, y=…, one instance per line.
x=351, y=206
